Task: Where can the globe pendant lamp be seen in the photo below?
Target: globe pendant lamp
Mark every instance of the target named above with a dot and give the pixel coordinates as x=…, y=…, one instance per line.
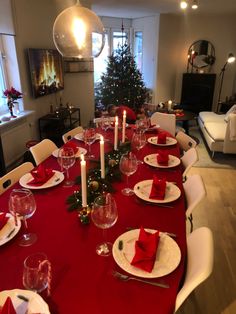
x=78, y=33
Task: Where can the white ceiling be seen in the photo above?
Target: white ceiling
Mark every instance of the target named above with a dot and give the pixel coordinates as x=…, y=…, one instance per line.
x=141, y=8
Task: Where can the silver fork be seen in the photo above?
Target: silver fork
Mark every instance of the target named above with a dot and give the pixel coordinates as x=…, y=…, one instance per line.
x=126, y=278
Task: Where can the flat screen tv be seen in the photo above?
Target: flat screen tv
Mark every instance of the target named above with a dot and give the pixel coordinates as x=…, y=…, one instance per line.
x=46, y=71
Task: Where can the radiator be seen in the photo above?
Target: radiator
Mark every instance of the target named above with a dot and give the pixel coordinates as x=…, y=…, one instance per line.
x=14, y=139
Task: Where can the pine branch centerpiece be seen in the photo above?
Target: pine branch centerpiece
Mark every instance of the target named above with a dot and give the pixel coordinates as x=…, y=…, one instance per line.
x=96, y=185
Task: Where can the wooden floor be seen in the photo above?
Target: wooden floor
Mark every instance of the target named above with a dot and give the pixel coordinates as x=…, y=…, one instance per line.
x=218, y=212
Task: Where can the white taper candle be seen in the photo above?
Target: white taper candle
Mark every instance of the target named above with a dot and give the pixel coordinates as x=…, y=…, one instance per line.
x=83, y=181
x=102, y=157
x=116, y=134
x=123, y=126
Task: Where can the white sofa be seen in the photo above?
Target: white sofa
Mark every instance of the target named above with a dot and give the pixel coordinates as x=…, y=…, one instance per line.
x=219, y=130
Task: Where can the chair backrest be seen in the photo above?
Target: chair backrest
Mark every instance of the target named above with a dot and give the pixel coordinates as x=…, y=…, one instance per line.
x=70, y=134
x=166, y=121
x=14, y=175
x=195, y=191
x=200, y=256
x=42, y=150
x=185, y=141
x=189, y=158
x=97, y=121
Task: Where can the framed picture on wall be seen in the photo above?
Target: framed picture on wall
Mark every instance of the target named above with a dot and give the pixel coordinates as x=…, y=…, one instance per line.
x=46, y=71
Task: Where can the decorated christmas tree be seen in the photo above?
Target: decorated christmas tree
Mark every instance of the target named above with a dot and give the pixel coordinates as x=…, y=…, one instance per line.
x=122, y=84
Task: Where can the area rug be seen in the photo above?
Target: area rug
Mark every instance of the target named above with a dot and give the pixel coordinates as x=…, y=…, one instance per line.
x=220, y=160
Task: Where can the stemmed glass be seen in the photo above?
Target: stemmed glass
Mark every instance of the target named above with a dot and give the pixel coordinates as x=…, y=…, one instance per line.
x=104, y=215
x=106, y=124
x=35, y=272
x=66, y=158
x=22, y=204
x=143, y=124
x=138, y=142
x=128, y=166
x=89, y=139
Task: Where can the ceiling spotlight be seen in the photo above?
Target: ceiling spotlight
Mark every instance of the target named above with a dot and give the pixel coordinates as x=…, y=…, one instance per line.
x=194, y=5
x=183, y=4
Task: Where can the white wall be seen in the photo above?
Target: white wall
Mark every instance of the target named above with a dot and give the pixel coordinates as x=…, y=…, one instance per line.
x=6, y=21
x=177, y=33
x=150, y=28
x=33, y=23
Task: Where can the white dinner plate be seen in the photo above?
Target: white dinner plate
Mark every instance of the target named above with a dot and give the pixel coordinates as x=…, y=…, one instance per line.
x=168, y=254
x=35, y=304
x=80, y=136
x=56, y=179
x=142, y=190
x=80, y=151
x=7, y=233
x=151, y=160
x=169, y=141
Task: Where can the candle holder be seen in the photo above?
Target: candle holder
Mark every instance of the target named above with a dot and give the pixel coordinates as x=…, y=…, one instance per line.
x=84, y=215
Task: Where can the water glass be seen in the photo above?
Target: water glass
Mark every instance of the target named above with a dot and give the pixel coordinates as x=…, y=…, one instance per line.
x=128, y=166
x=66, y=158
x=36, y=272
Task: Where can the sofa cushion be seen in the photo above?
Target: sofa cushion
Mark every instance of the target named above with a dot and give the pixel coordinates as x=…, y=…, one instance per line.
x=231, y=110
x=209, y=116
x=216, y=130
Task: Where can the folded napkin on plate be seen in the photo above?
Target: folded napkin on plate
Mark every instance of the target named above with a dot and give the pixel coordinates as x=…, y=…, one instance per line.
x=158, y=189
x=40, y=175
x=163, y=158
x=7, y=307
x=3, y=220
x=71, y=145
x=161, y=139
x=145, y=250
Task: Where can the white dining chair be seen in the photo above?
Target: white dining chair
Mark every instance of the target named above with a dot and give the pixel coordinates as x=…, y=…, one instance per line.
x=166, y=121
x=185, y=141
x=14, y=176
x=195, y=192
x=70, y=134
x=42, y=150
x=189, y=158
x=199, y=265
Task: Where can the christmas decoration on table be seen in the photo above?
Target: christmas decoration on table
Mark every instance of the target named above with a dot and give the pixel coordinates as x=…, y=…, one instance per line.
x=122, y=83
x=12, y=95
x=96, y=185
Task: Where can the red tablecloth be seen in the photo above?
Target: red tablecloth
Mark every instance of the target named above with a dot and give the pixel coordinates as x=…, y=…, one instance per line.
x=82, y=281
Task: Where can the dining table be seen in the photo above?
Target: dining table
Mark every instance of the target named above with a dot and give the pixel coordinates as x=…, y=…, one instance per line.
x=82, y=281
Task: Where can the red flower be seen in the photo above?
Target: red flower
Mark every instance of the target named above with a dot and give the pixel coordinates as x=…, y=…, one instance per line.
x=12, y=94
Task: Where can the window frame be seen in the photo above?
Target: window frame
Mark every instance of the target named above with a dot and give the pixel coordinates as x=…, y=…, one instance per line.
x=3, y=107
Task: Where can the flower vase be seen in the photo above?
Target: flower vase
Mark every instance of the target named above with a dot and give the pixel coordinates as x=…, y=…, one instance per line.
x=10, y=106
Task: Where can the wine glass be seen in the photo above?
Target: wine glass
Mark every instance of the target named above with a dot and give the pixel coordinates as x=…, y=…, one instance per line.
x=89, y=139
x=128, y=166
x=104, y=215
x=143, y=124
x=138, y=142
x=22, y=204
x=36, y=272
x=66, y=158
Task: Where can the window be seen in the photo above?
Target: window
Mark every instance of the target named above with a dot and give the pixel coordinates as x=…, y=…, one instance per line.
x=113, y=38
x=138, y=49
x=3, y=103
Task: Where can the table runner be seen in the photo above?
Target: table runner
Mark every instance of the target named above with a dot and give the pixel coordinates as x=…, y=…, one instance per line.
x=82, y=280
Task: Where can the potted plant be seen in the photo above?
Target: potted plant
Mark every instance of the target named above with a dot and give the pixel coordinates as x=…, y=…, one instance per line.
x=12, y=95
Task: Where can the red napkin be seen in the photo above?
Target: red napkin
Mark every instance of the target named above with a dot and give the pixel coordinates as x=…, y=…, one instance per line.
x=8, y=307
x=40, y=175
x=71, y=145
x=3, y=220
x=161, y=139
x=158, y=189
x=163, y=158
x=145, y=250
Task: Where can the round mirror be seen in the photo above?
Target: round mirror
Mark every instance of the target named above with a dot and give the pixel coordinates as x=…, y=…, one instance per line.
x=201, y=54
